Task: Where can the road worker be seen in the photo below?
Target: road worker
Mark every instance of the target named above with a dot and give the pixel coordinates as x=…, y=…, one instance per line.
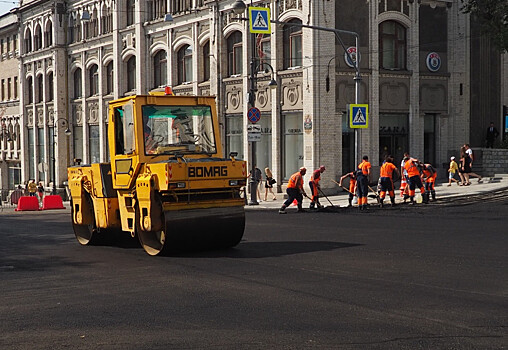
x=429, y=175
x=386, y=180
x=295, y=191
x=362, y=185
x=404, y=189
x=314, y=187
x=413, y=166
x=352, y=186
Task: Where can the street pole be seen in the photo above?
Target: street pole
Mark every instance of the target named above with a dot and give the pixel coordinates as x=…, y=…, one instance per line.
x=252, y=101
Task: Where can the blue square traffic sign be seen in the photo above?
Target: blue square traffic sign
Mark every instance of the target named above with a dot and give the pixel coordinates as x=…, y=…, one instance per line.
x=259, y=20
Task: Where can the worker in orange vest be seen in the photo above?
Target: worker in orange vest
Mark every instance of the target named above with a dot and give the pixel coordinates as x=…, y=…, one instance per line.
x=362, y=182
x=314, y=187
x=352, y=186
x=404, y=189
x=295, y=191
x=412, y=167
x=429, y=177
x=386, y=180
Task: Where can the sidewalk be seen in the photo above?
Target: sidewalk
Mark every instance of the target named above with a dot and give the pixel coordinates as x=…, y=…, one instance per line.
x=489, y=184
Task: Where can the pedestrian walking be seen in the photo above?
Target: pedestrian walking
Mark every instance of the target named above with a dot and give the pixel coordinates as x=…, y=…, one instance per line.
x=269, y=182
x=492, y=134
x=257, y=178
x=314, y=187
x=40, y=191
x=469, y=153
x=452, y=170
x=362, y=182
x=429, y=175
x=32, y=188
x=295, y=191
x=413, y=166
x=352, y=185
x=386, y=181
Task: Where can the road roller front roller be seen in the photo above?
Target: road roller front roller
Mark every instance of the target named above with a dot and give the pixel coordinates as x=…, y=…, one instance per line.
x=168, y=182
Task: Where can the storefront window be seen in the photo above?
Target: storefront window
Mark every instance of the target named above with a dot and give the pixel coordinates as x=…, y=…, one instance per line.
x=94, y=144
x=429, y=139
x=264, y=147
x=77, y=135
x=234, y=135
x=292, y=143
x=41, y=166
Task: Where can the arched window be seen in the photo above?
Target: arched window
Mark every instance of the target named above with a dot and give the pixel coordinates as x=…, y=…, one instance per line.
x=109, y=78
x=234, y=43
x=40, y=88
x=206, y=61
x=263, y=49
x=160, y=65
x=48, y=35
x=292, y=41
x=94, y=80
x=392, y=45
x=131, y=74
x=50, y=87
x=77, y=83
x=131, y=7
x=28, y=41
x=37, y=38
x=184, y=64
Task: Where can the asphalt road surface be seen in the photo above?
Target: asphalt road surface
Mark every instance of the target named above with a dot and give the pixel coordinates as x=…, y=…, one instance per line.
x=409, y=278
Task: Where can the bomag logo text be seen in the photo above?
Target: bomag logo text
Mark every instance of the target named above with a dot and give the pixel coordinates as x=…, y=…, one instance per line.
x=212, y=171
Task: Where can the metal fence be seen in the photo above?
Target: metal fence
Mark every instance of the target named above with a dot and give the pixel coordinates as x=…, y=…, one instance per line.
x=9, y=198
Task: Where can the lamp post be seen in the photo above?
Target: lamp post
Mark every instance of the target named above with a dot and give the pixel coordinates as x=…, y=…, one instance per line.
x=238, y=8
x=60, y=122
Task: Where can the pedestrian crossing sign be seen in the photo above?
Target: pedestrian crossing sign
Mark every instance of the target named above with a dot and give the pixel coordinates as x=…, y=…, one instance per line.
x=259, y=20
x=359, y=116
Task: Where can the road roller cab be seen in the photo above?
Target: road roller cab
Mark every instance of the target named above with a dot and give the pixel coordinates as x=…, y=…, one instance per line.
x=168, y=182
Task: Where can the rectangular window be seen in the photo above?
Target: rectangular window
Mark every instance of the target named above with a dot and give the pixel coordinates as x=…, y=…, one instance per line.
x=77, y=135
x=234, y=135
x=15, y=42
x=3, y=89
x=15, y=88
x=2, y=46
x=8, y=44
x=292, y=144
x=9, y=82
x=31, y=154
x=94, y=144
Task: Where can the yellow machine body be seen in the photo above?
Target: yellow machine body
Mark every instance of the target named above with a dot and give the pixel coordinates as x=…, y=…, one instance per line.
x=168, y=181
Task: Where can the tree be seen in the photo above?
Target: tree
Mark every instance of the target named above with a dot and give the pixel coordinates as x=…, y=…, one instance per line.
x=492, y=16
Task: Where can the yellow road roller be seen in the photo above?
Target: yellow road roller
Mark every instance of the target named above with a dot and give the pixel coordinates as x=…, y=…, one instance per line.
x=168, y=182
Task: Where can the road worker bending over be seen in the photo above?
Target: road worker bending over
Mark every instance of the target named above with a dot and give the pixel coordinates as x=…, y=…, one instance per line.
x=404, y=189
x=352, y=186
x=362, y=182
x=413, y=172
x=295, y=191
x=386, y=180
x=314, y=187
x=429, y=177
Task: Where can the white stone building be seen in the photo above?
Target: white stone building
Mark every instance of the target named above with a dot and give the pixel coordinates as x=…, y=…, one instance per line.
x=416, y=63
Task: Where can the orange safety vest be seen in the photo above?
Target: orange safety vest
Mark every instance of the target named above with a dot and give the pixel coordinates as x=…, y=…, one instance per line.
x=387, y=170
x=429, y=176
x=296, y=181
x=411, y=168
x=364, y=166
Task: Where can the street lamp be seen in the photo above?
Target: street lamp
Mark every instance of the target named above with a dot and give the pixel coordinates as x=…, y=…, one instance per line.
x=62, y=123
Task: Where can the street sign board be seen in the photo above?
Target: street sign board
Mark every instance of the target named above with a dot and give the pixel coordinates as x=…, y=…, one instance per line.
x=259, y=20
x=254, y=137
x=253, y=128
x=253, y=115
x=359, y=116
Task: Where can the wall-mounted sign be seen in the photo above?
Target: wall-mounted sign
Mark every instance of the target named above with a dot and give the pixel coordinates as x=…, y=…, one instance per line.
x=433, y=61
x=307, y=123
x=354, y=55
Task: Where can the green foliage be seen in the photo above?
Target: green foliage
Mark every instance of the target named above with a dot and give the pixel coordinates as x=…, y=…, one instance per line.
x=493, y=18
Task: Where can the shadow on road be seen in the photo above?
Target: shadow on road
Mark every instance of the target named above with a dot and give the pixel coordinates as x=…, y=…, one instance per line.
x=253, y=250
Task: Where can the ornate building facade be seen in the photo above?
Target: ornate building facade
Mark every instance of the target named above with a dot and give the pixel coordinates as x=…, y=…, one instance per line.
x=414, y=59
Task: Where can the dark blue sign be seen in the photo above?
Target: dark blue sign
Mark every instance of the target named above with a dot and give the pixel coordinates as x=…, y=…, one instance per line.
x=253, y=115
